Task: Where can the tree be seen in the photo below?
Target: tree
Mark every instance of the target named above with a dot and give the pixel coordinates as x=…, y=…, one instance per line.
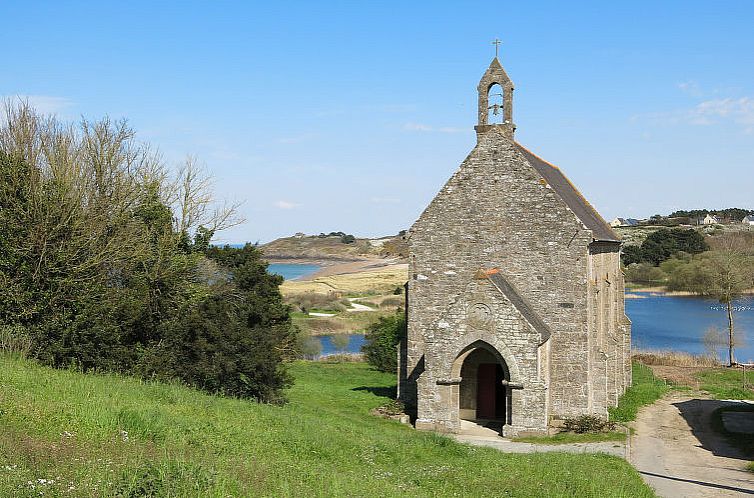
x=729, y=274
x=340, y=342
x=664, y=243
x=644, y=273
x=381, y=342
x=714, y=339
x=631, y=255
x=105, y=261
x=723, y=273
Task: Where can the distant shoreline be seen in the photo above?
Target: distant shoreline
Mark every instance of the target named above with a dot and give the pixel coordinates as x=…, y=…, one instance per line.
x=336, y=266
x=661, y=290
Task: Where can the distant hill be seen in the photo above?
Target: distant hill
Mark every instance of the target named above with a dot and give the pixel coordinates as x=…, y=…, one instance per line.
x=334, y=246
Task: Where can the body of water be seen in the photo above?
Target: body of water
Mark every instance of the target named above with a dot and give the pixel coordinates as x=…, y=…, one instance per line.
x=659, y=322
x=292, y=271
x=678, y=323
x=355, y=341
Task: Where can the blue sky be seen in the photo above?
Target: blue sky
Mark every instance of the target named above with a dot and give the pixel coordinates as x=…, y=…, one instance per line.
x=330, y=116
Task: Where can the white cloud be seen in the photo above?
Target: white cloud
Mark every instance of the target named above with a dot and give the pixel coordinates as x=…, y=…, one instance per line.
x=44, y=104
x=431, y=129
x=739, y=111
x=286, y=205
x=690, y=88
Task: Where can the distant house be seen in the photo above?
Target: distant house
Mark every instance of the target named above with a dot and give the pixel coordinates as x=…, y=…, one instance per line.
x=710, y=219
x=748, y=220
x=624, y=222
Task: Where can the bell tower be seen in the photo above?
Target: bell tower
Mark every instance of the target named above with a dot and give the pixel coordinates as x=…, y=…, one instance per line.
x=495, y=100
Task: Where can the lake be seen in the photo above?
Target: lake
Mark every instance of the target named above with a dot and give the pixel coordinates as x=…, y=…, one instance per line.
x=355, y=341
x=292, y=271
x=660, y=322
x=678, y=323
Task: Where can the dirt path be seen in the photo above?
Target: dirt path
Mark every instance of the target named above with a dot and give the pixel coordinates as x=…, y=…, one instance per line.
x=679, y=455
x=356, y=306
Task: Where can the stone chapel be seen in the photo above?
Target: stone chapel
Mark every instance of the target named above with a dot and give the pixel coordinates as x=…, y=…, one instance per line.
x=515, y=295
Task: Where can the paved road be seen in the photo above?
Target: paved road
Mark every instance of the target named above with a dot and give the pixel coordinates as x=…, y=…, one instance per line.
x=679, y=455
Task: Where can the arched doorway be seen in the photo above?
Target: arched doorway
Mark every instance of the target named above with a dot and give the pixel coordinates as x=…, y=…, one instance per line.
x=483, y=396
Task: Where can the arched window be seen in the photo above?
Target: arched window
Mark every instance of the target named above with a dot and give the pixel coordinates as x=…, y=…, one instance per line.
x=495, y=104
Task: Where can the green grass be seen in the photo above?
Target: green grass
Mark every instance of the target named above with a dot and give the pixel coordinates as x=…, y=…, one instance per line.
x=71, y=428
x=571, y=437
x=726, y=383
x=750, y=467
x=645, y=390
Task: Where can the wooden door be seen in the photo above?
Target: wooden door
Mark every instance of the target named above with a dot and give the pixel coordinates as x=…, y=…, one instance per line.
x=486, y=387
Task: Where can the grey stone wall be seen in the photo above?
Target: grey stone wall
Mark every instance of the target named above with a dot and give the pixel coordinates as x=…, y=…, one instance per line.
x=497, y=212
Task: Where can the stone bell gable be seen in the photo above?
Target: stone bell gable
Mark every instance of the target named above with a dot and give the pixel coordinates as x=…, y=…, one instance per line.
x=515, y=292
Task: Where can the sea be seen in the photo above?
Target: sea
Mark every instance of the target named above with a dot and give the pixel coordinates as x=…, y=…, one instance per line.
x=291, y=271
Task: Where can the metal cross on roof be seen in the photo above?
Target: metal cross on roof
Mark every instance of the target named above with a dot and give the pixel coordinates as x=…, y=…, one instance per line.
x=497, y=43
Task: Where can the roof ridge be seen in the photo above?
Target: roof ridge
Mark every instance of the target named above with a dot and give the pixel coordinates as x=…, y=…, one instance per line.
x=612, y=236
x=540, y=158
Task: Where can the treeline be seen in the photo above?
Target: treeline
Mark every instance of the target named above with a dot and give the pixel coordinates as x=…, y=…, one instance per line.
x=345, y=238
x=663, y=244
x=106, y=265
x=733, y=214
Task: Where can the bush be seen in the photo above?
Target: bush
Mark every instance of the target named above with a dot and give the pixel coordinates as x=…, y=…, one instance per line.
x=314, y=300
x=644, y=273
x=393, y=302
x=218, y=347
x=324, y=325
x=309, y=347
x=587, y=423
x=103, y=269
x=381, y=342
x=15, y=339
x=663, y=244
x=234, y=341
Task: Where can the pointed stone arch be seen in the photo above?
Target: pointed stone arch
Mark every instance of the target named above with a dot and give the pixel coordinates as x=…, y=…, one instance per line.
x=484, y=340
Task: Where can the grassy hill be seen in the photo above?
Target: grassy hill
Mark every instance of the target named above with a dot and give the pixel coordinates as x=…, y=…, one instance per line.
x=316, y=247
x=68, y=434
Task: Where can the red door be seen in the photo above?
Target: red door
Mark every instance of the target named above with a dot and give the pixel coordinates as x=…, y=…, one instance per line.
x=485, y=394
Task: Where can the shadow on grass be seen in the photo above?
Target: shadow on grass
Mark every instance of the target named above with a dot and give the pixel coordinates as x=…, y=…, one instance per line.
x=704, y=417
x=700, y=483
x=383, y=392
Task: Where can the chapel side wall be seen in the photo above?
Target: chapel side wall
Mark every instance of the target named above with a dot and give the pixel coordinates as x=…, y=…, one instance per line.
x=608, y=350
x=497, y=211
x=625, y=331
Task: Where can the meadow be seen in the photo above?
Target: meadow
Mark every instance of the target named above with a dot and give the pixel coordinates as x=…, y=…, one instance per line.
x=63, y=433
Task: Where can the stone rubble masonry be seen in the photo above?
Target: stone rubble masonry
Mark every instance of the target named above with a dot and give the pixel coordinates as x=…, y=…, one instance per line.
x=497, y=213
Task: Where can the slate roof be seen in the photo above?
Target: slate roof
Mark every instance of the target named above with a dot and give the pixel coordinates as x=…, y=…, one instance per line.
x=505, y=288
x=601, y=230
